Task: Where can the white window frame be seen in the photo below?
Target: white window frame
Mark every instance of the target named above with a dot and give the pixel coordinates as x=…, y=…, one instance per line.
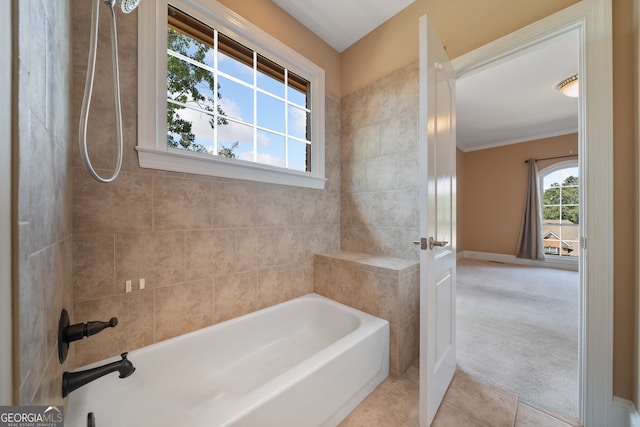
x=152, y=147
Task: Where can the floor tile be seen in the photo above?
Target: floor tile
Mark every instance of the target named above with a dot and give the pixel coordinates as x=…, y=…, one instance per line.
x=531, y=417
x=369, y=415
x=449, y=416
x=486, y=403
x=399, y=398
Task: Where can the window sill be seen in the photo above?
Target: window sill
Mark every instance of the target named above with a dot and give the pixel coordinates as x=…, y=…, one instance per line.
x=201, y=164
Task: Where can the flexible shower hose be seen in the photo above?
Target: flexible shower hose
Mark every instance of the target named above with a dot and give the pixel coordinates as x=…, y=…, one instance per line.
x=88, y=89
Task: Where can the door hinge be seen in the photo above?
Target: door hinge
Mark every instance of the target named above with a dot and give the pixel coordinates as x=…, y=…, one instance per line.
x=583, y=242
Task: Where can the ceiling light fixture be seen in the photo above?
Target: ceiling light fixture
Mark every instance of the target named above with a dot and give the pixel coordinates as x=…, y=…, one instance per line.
x=569, y=86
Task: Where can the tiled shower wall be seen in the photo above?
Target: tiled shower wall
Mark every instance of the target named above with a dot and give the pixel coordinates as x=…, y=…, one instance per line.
x=209, y=249
x=43, y=195
x=379, y=152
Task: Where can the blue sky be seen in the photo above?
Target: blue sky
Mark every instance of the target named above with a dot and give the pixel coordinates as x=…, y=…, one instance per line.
x=559, y=176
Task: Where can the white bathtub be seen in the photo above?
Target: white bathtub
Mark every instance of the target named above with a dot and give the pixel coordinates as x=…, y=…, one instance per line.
x=305, y=362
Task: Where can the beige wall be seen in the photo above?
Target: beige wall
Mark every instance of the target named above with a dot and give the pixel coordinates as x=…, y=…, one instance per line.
x=461, y=243
x=624, y=215
x=464, y=26
x=42, y=185
x=209, y=249
x=491, y=191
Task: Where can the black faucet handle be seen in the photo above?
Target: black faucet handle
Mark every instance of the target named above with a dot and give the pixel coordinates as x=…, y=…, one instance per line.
x=68, y=333
x=81, y=330
x=92, y=328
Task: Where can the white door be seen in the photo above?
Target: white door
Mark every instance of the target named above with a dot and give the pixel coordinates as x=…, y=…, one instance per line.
x=437, y=141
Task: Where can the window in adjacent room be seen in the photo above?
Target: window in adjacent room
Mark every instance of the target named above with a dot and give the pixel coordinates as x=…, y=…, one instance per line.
x=561, y=211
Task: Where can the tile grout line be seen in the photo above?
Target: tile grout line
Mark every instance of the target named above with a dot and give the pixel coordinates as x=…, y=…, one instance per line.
x=515, y=413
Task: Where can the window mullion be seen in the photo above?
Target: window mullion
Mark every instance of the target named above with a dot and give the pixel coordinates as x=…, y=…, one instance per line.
x=286, y=118
x=216, y=116
x=255, y=106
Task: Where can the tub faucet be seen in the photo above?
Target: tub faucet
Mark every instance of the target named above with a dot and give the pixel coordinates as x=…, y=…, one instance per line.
x=74, y=380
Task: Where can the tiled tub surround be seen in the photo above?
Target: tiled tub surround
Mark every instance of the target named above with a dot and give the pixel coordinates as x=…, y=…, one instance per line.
x=44, y=196
x=380, y=173
x=385, y=287
x=209, y=249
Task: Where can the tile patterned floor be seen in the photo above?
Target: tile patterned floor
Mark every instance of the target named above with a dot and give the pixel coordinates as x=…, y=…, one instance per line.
x=467, y=403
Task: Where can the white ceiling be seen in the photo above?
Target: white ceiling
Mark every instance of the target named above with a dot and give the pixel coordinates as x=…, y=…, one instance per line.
x=515, y=99
x=506, y=102
x=342, y=22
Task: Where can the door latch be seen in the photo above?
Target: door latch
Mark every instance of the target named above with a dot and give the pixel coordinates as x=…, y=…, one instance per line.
x=424, y=245
x=433, y=243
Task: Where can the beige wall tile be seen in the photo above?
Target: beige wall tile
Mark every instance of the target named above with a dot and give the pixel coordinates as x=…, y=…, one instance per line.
x=93, y=266
x=274, y=205
x=210, y=253
x=255, y=248
x=379, y=295
x=235, y=295
x=410, y=294
x=289, y=245
x=274, y=286
x=382, y=172
x=142, y=316
x=180, y=204
x=302, y=278
x=234, y=204
x=156, y=257
x=408, y=343
x=366, y=141
x=183, y=308
x=122, y=206
x=32, y=323
x=381, y=200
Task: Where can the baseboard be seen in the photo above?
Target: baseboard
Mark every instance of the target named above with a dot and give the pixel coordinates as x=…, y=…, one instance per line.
x=624, y=413
x=562, y=264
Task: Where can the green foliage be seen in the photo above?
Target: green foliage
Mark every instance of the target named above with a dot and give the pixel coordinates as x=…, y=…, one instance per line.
x=570, y=196
x=228, y=151
x=187, y=83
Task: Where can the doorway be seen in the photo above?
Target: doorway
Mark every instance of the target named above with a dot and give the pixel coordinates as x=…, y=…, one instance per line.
x=518, y=325
x=592, y=21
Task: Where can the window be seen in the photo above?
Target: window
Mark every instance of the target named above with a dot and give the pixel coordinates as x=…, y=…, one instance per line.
x=227, y=99
x=561, y=211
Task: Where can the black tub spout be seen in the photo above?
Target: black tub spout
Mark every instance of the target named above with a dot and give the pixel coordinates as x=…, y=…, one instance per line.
x=74, y=380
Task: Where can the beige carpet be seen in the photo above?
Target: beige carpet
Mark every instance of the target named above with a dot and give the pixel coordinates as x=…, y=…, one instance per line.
x=517, y=328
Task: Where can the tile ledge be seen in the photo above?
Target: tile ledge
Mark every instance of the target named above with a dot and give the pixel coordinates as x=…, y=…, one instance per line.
x=379, y=261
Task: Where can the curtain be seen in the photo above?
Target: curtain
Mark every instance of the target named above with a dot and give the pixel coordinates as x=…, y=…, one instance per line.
x=530, y=244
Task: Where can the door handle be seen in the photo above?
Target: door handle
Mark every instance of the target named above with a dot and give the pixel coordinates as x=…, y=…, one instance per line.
x=433, y=243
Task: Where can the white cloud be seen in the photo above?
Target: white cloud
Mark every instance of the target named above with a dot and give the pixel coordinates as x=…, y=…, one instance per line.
x=297, y=122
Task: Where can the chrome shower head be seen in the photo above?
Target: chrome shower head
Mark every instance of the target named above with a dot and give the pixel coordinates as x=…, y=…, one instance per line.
x=127, y=6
